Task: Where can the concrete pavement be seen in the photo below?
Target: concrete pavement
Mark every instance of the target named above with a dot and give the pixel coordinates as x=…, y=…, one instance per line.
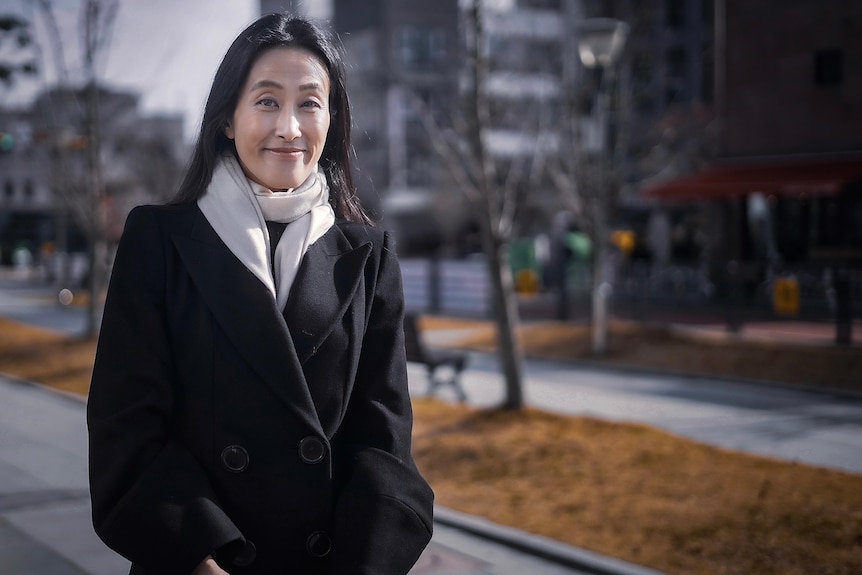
x=44, y=507
x=811, y=427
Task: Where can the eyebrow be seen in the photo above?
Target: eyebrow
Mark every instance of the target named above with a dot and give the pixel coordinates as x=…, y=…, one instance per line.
x=273, y=84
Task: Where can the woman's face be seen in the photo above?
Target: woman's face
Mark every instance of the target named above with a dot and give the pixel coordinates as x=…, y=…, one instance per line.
x=281, y=118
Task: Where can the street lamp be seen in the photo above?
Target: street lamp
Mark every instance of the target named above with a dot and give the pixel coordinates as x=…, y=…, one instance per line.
x=600, y=44
x=601, y=41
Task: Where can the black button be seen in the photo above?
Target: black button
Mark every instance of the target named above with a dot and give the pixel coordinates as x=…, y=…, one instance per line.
x=235, y=458
x=246, y=556
x=312, y=450
x=318, y=544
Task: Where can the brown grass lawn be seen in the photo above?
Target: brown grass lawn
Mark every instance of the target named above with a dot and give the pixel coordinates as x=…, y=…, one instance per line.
x=659, y=348
x=642, y=495
x=50, y=358
x=627, y=491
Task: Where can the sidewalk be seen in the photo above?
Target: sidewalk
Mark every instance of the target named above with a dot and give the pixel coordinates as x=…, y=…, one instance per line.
x=45, y=509
x=45, y=514
x=44, y=506
x=45, y=523
x=808, y=426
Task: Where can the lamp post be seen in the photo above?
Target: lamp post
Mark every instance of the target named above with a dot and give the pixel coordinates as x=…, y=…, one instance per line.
x=600, y=44
x=601, y=41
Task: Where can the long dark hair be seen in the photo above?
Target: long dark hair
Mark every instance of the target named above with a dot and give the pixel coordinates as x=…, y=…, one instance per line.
x=276, y=31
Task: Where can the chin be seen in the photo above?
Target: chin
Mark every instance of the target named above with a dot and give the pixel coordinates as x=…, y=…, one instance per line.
x=290, y=182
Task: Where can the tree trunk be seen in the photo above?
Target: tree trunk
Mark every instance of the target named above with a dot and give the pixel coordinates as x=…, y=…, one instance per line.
x=491, y=220
x=98, y=251
x=506, y=317
x=60, y=261
x=94, y=197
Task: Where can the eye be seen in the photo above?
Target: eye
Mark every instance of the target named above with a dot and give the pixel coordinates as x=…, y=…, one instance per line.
x=267, y=103
x=313, y=104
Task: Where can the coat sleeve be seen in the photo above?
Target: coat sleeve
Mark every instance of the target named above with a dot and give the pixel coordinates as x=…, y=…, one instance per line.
x=152, y=501
x=383, y=516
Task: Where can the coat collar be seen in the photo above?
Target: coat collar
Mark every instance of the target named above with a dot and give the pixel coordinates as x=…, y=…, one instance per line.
x=326, y=284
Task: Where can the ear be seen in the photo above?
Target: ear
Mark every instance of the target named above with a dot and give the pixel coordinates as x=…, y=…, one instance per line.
x=228, y=131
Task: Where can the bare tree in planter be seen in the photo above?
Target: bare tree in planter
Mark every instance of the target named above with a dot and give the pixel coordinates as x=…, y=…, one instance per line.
x=493, y=190
x=85, y=201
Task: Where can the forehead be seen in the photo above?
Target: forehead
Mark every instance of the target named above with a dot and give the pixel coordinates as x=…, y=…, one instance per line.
x=288, y=65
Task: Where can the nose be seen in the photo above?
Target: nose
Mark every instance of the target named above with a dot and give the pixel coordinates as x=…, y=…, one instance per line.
x=287, y=126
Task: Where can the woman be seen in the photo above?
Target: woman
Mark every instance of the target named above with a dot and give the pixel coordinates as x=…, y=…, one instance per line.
x=249, y=409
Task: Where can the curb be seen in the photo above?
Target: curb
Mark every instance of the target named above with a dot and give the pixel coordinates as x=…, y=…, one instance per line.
x=71, y=396
x=633, y=369
x=598, y=365
x=538, y=545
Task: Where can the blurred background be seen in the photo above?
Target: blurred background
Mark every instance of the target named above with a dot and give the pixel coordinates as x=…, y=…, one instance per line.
x=693, y=160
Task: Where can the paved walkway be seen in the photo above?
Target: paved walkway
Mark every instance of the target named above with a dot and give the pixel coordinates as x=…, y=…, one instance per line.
x=44, y=507
x=810, y=427
x=45, y=524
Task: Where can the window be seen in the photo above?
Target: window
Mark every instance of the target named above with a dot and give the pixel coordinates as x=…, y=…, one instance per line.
x=675, y=90
x=642, y=83
x=676, y=62
x=28, y=190
x=828, y=67
x=523, y=115
x=527, y=56
x=420, y=48
x=429, y=101
x=675, y=15
x=839, y=221
x=707, y=78
x=8, y=189
x=793, y=228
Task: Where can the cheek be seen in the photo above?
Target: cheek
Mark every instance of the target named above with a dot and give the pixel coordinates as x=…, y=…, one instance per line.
x=247, y=129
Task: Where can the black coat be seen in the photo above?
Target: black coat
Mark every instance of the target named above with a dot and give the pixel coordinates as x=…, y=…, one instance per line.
x=217, y=423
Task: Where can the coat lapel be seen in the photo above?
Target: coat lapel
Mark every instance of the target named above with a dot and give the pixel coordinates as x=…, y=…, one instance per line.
x=247, y=311
x=325, y=287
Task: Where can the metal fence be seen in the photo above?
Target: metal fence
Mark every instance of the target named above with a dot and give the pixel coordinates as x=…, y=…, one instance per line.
x=457, y=287
x=461, y=288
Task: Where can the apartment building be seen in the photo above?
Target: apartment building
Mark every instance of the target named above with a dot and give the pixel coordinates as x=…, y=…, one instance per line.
x=404, y=51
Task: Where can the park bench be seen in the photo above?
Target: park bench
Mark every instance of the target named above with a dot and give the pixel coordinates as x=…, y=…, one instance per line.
x=434, y=359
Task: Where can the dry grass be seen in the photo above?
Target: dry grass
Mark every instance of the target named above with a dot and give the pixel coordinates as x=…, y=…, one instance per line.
x=50, y=358
x=627, y=491
x=658, y=348
x=642, y=495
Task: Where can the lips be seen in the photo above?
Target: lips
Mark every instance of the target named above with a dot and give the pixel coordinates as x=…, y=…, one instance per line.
x=286, y=152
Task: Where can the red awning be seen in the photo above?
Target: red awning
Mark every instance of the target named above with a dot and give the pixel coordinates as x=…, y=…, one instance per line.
x=816, y=177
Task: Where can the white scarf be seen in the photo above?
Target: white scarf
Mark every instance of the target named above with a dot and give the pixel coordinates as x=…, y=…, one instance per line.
x=238, y=210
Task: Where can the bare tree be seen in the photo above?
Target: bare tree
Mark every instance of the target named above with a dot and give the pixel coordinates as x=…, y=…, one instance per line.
x=493, y=190
x=85, y=201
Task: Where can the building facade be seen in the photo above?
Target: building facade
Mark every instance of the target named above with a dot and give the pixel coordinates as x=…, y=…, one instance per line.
x=403, y=61
x=43, y=171
x=784, y=187
x=404, y=52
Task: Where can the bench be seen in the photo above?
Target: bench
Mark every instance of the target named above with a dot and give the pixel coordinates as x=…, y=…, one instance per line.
x=433, y=359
